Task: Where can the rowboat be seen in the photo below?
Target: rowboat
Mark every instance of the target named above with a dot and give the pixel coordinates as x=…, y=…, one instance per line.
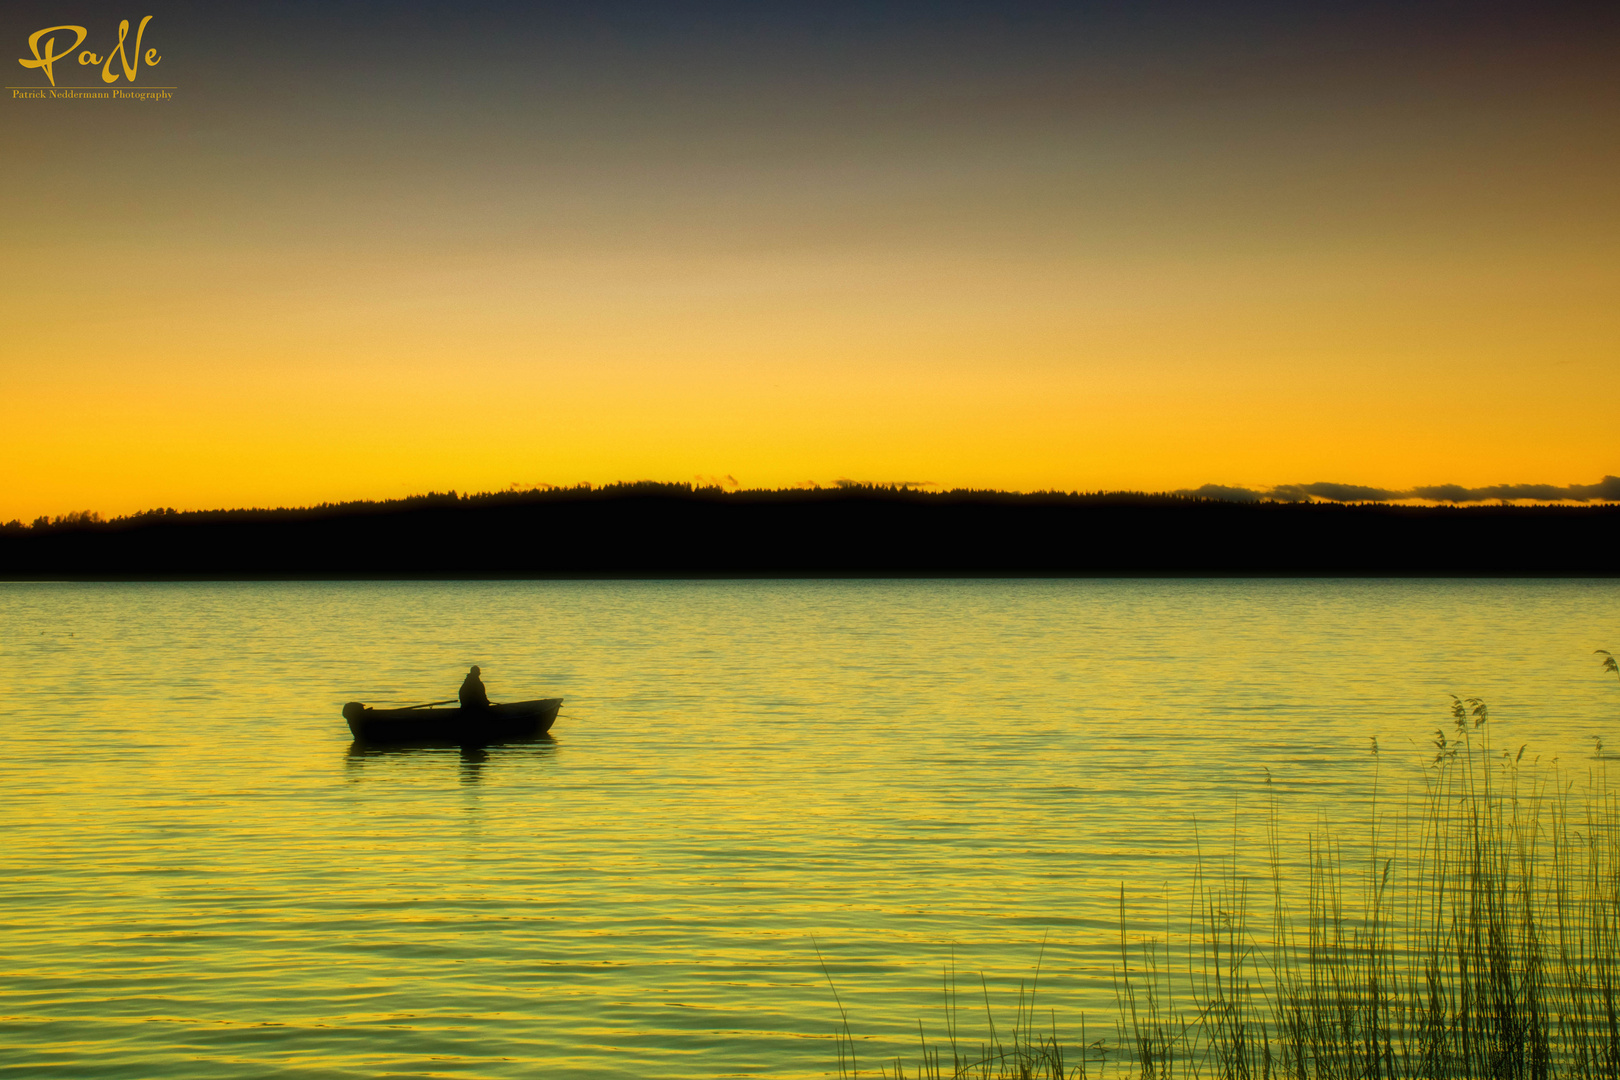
x=469, y=727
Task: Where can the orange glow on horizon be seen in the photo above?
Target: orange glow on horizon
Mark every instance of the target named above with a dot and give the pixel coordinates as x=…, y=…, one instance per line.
x=242, y=301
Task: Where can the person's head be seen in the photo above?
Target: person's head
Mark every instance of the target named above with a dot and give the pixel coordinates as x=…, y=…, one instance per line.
x=475, y=671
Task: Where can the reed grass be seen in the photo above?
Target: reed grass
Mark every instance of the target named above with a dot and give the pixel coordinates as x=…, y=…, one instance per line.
x=1470, y=933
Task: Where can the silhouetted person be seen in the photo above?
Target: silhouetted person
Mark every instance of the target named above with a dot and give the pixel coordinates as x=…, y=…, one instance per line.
x=472, y=691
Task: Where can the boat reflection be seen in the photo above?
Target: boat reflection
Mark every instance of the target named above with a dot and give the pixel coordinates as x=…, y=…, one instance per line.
x=471, y=759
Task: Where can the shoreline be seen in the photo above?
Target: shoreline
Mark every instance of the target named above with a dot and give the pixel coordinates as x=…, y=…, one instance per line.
x=657, y=534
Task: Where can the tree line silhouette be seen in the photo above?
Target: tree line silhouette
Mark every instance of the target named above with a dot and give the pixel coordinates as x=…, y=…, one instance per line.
x=674, y=529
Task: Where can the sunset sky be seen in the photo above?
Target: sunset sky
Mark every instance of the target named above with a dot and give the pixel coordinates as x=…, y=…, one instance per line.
x=375, y=249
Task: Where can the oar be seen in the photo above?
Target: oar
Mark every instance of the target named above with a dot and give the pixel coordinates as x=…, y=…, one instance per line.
x=429, y=704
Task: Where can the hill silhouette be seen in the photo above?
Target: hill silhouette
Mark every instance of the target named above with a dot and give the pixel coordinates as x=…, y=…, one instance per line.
x=673, y=529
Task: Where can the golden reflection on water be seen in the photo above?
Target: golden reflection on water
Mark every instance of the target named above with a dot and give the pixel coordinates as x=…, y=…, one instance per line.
x=203, y=876
x=471, y=759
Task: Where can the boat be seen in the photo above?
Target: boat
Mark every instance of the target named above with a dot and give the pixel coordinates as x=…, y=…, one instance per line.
x=469, y=727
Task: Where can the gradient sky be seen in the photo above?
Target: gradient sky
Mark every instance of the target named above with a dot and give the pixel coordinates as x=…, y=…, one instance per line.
x=375, y=249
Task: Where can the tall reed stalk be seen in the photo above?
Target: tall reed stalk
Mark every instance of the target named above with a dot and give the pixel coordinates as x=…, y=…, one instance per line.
x=1473, y=935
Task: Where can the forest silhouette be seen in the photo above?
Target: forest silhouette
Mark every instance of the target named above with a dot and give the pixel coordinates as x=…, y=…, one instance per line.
x=653, y=529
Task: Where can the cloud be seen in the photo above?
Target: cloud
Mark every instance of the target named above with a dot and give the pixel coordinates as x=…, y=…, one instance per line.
x=726, y=482
x=846, y=482
x=1224, y=494
x=1445, y=493
x=1605, y=490
x=1334, y=492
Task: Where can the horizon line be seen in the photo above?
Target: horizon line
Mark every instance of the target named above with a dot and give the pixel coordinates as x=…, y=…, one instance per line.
x=1604, y=493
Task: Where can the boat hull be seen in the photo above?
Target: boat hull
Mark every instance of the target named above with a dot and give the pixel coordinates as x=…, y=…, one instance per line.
x=513, y=720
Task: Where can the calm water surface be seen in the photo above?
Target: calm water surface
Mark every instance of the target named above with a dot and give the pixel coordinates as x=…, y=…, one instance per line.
x=201, y=877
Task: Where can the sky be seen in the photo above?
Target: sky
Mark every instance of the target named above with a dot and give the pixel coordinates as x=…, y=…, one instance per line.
x=367, y=250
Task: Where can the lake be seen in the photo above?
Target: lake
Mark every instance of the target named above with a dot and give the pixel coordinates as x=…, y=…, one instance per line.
x=202, y=877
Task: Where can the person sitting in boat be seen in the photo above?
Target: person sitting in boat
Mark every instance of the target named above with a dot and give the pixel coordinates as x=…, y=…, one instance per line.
x=472, y=691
